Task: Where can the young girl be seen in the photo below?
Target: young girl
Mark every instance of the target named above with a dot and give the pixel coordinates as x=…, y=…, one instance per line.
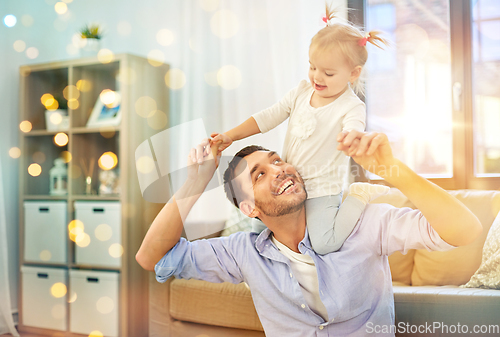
x=319, y=110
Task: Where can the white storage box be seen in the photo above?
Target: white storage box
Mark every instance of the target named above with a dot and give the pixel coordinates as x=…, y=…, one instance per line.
x=94, y=302
x=101, y=245
x=44, y=302
x=45, y=231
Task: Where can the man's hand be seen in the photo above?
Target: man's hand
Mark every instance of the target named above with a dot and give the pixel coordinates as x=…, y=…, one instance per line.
x=371, y=150
x=202, y=162
x=222, y=140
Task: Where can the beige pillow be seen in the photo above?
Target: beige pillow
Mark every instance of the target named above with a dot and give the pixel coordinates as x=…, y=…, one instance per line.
x=402, y=266
x=456, y=267
x=488, y=274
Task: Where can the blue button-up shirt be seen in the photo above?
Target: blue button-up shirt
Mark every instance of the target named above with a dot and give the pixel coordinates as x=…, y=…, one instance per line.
x=354, y=283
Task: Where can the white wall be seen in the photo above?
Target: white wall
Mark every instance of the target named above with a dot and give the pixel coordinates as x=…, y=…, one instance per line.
x=270, y=50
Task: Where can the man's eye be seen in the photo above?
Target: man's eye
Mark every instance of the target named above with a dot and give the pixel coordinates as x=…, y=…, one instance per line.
x=260, y=174
x=276, y=161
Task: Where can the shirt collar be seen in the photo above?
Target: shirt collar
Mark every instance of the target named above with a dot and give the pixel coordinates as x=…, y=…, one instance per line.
x=264, y=240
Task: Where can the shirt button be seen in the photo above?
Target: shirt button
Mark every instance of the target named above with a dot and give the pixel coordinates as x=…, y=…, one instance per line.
x=291, y=275
x=303, y=306
x=321, y=327
x=332, y=319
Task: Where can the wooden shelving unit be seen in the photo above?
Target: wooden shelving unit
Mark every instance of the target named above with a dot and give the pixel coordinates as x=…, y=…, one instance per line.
x=134, y=77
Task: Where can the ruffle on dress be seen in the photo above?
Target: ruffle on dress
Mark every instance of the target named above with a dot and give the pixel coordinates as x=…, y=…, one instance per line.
x=303, y=124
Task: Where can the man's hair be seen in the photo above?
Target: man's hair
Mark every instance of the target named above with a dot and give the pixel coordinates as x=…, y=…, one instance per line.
x=231, y=187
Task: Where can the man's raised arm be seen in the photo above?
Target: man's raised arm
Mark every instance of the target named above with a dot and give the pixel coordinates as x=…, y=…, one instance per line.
x=451, y=219
x=166, y=229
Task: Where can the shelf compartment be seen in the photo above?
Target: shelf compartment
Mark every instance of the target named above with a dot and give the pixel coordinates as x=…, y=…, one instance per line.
x=35, y=85
x=95, y=78
x=43, y=151
x=85, y=147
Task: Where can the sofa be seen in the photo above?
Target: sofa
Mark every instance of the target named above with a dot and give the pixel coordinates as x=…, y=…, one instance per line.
x=428, y=298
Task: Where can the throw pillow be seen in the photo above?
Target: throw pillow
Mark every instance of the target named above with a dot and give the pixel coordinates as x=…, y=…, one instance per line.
x=488, y=274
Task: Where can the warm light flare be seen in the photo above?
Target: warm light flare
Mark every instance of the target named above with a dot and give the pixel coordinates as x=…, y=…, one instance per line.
x=108, y=160
x=61, y=139
x=25, y=126
x=34, y=170
x=58, y=290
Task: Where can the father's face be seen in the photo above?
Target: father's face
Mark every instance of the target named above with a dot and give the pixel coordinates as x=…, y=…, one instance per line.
x=277, y=187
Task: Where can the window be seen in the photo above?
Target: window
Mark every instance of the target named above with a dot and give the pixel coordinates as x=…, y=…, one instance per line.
x=436, y=91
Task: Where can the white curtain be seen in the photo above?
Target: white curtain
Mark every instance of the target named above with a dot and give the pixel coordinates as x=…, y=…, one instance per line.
x=6, y=322
x=239, y=57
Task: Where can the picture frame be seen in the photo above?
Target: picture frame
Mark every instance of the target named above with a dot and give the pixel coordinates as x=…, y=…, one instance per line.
x=105, y=115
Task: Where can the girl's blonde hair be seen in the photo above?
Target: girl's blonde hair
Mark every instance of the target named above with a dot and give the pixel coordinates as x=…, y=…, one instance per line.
x=350, y=41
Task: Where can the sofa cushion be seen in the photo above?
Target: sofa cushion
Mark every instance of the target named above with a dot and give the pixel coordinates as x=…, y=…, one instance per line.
x=223, y=304
x=455, y=267
x=488, y=274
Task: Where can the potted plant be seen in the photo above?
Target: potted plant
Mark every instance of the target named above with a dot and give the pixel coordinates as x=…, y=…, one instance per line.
x=91, y=34
x=56, y=113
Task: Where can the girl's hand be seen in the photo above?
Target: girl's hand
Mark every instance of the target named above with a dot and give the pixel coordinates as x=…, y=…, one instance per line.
x=223, y=140
x=371, y=150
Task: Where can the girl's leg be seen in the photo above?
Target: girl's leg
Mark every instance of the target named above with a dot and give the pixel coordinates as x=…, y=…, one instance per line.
x=326, y=233
x=329, y=223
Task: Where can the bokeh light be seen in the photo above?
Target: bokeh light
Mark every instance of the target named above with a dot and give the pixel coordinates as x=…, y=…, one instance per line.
x=96, y=333
x=73, y=104
x=145, y=164
x=175, y=79
x=105, y=305
x=77, y=41
x=52, y=104
x=108, y=160
x=229, y=77
x=103, y=232
x=105, y=56
x=75, y=228
x=109, y=98
x=82, y=240
x=61, y=139
x=58, y=311
x=107, y=131
x=45, y=255
x=84, y=85
x=10, y=20
x=126, y=76
x=156, y=57
x=47, y=99
x=145, y=106
x=39, y=157
x=165, y=37
x=124, y=28
x=15, y=152
x=158, y=120
x=209, y=5
x=60, y=8
x=66, y=156
x=34, y=170
x=71, y=92
x=71, y=49
x=32, y=53
x=25, y=126
x=74, y=171
x=27, y=20
x=224, y=24
x=115, y=250
x=55, y=118
x=19, y=46
x=58, y=290
x=73, y=297
x=211, y=79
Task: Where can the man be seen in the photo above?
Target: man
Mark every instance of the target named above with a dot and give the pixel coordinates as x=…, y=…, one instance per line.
x=295, y=291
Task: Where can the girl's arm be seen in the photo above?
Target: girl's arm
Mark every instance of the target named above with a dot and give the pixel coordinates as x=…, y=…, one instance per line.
x=246, y=129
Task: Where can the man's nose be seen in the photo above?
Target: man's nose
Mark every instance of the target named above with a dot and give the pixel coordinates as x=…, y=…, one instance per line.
x=278, y=170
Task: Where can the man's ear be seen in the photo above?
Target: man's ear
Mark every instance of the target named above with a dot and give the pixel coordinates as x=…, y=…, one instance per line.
x=249, y=209
x=355, y=73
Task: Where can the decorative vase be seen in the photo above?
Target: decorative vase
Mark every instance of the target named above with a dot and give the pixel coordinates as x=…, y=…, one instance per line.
x=91, y=47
